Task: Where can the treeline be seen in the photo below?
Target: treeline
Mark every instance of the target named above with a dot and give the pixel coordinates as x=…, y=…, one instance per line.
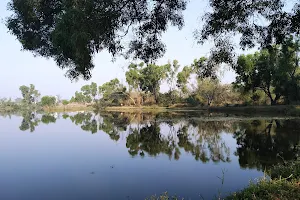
x=268, y=77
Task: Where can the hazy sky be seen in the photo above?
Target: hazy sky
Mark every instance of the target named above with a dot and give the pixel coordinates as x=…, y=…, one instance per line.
x=21, y=68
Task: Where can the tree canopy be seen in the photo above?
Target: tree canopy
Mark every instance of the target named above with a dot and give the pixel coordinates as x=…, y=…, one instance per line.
x=274, y=71
x=72, y=31
x=258, y=22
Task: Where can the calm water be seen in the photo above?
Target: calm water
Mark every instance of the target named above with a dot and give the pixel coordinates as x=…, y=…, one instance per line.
x=133, y=156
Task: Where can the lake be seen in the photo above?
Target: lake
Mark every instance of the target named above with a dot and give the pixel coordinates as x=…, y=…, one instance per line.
x=132, y=156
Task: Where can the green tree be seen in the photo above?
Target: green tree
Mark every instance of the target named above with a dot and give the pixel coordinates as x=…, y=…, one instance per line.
x=112, y=91
x=209, y=90
x=226, y=19
x=65, y=102
x=48, y=101
x=71, y=32
x=30, y=94
x=151, y=77
x=86, y=90
x=274, y=71
x=183, y=78
x=79, y=97
x=133, y=76
x=94, y=90
x=171, y=76
x=204, y=68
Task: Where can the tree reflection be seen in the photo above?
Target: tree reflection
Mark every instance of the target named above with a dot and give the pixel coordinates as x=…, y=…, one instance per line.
x=47, y=119
x=262, y=144
x=29, y=121
x=148, y=139
x=87, y=122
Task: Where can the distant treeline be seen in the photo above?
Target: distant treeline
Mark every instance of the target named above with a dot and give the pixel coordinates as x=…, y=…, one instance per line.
x=267, y=77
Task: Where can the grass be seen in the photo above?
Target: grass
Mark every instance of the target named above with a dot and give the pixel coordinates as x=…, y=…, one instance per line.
x=68, y=108
x=282, y=110
x=269, y=190
x=287, y=110
x=283, y=184
x=154, y=108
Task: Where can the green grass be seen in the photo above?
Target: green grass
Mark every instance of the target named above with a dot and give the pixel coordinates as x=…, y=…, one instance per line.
x=68, y=108
x=153, y=108
x=269, y=190
x=283, y=184
x=287, y=110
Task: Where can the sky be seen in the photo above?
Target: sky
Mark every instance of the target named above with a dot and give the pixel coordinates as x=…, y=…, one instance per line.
x=19, y=67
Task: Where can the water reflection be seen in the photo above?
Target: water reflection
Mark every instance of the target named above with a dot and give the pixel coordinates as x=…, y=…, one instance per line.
x=261, y=143
x=264, y=143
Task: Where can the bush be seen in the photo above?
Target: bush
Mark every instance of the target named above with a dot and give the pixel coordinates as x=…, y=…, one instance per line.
x=285, y=170
x=269, y=190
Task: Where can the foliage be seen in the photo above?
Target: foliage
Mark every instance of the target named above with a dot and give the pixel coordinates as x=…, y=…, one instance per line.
x=274, y=71
x=48, y=101
x=151, y=78
x=65, y=102
x=209, y=90
x=47, y=119
x=268, y=190
x=205, y=68
x=148, y=78
x=30, y=94
x=284, y=170
x=81, y=98
x=262, y=22
x=29, y=122
x=90, y=91
x=164, y=196
x=182, y=79
x=171, y=77
x=71, y=32
x=112, y=93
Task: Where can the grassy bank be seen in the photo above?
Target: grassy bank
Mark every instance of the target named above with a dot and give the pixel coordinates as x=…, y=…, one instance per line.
x=251, y=110
x=283, y=183
x=281, y=110
x=131, y=109
x=69, y=108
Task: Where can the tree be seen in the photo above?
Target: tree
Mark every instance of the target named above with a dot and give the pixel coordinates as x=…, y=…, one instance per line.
x=48, y=101
x=133, y=76
x=65, y=102
x=274, y=71
x=259, y=22
x=205, y=68
x=71, y=32
x=182, y=79
x=94, y=90
x=151, y=77
x=30, y=94
x=171, y=75
x=209, y=89
x=172, y=70
x=90, y=91
x=79, y=97
x=112, y=91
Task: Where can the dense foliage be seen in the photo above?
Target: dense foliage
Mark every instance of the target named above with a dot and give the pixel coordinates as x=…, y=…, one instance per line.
x=275, y=71
x=72, y=31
